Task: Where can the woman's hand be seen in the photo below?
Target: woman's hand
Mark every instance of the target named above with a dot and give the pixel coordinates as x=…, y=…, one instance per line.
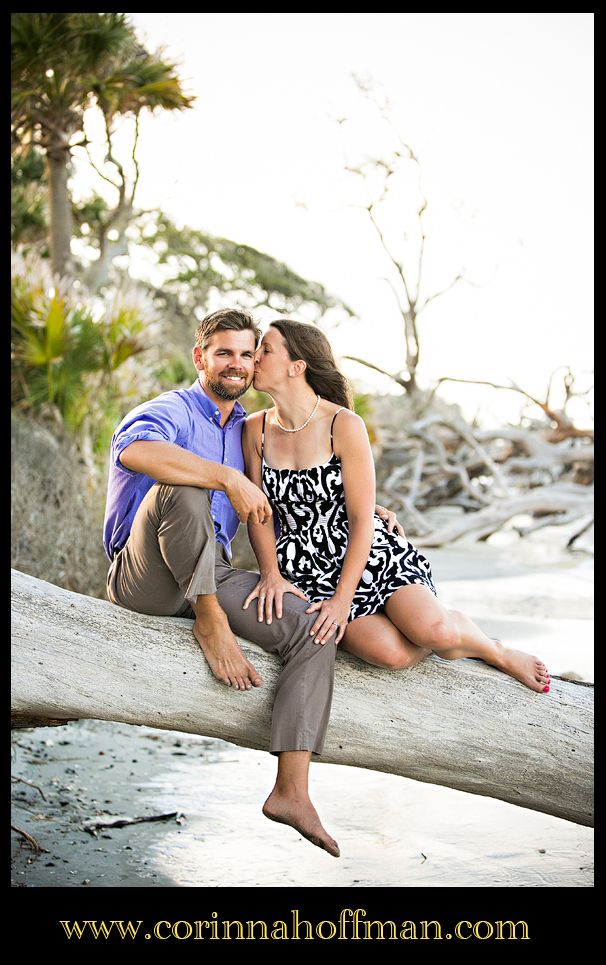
x=332, y=618
x=269, y=591
x=391, y=520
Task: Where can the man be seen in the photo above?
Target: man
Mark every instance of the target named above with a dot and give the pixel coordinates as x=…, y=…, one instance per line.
x=176, y=494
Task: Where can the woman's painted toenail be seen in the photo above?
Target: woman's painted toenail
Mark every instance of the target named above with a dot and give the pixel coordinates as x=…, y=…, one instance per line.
x=545, y=690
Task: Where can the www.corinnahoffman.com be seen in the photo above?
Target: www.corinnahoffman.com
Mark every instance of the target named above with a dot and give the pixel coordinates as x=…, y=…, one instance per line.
x=351, y=925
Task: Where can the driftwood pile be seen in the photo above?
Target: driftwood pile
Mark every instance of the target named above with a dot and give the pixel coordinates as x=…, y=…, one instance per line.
x=491, y=475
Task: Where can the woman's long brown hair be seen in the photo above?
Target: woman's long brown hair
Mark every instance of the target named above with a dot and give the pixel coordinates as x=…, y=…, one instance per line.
x=307, y=342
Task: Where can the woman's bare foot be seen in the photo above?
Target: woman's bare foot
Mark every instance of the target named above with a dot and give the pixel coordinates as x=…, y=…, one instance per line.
x=223, y=655
x=529, y=670
x=300, y=814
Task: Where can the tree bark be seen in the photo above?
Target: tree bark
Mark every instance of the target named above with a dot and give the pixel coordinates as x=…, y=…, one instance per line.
x=460, y=723
x=61, y=228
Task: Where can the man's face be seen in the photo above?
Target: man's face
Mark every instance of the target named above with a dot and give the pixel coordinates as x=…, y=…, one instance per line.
x=226, y=365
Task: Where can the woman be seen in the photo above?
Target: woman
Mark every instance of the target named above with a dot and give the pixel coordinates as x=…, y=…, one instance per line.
x=372, y=590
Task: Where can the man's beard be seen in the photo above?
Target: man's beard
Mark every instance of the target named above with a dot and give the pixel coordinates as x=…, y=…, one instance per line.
x=224, y=390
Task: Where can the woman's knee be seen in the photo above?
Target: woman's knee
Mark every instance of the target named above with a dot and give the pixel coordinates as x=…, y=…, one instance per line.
x=404, y=659
x=375, y=640
x=444, y=634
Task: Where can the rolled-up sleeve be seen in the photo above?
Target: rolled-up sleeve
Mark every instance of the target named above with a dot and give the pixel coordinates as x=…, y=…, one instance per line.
x=161, y=420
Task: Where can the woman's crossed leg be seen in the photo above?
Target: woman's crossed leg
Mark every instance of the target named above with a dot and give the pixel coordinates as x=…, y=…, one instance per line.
x=425, y=622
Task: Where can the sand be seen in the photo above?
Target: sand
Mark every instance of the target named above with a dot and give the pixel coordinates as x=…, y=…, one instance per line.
x=392, y=831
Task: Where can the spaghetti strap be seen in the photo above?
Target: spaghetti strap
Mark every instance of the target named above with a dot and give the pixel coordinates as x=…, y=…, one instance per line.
x=332, y=449
x=263, y=432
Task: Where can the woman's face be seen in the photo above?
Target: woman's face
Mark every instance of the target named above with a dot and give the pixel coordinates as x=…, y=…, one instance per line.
x=271, y=362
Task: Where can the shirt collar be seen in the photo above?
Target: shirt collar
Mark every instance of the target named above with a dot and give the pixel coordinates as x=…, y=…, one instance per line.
x=210, y=409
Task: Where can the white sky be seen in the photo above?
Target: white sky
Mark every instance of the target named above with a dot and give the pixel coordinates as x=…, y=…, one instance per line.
x=498, y=108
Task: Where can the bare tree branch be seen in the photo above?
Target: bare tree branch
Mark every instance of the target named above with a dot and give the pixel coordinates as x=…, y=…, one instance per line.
x=21, y=780
x=465, y=433
x=450, y=467
x=549, y=384
x=98, y=170
x=416, y=476
x=134, y=160
x=110, y=157
x=580, y=532
x=399, y=268
x=553, y=519
x=397, y=296
x=443, y=291
x=369, y=365
x=563, y=427
x=30, y=840
x=420, y=213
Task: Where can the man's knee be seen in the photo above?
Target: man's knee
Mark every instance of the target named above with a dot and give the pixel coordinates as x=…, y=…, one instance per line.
x=189, y=497
x=302, y=641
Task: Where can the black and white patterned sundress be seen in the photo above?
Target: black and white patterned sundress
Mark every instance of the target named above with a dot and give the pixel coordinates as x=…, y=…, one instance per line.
x=312, y=533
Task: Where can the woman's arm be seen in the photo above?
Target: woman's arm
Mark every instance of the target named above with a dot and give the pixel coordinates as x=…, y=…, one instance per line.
x=272, y=586
x=352, y=447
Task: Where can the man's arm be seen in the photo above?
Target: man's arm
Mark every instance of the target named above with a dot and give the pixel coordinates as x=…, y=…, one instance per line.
x=168, y=463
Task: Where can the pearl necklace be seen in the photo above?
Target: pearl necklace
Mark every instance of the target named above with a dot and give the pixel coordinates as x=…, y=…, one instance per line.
x=298, y=429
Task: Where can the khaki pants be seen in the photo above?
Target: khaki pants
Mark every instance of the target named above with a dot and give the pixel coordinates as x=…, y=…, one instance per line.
x=172, y=556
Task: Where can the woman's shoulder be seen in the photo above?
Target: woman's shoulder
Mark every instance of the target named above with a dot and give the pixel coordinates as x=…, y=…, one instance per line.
x=346, y=417
x=329, y=409
x=251, y=431
x=348, y=428
x=255, y=418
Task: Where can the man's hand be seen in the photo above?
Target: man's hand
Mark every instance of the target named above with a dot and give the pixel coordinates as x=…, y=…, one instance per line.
x=249, y=502
x=391, y=520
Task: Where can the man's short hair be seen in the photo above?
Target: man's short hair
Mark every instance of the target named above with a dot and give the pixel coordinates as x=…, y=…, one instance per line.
x=237, y=319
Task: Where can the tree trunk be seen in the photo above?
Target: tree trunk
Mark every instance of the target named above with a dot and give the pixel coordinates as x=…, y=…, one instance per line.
x=60, y=211
x=460, y=723
x=98, y=273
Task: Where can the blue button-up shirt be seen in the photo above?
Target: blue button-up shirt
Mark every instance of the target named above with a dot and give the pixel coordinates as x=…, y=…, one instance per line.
x=188, y=418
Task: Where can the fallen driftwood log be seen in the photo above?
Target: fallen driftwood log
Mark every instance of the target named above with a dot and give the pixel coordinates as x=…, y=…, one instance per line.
x=493, y=475
x=458, y=723
x=485, y=522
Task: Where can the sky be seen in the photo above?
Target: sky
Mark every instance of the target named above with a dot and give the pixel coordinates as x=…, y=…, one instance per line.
x=498, y=109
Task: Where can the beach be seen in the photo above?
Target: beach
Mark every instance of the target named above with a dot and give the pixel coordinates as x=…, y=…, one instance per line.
x=392, y=831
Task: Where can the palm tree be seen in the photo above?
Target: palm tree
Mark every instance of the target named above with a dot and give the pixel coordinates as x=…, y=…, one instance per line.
x=63, y=63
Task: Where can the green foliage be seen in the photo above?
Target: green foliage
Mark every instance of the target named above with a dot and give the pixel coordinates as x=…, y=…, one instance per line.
x=200, y=266
x=363, y=407
x=28, y=199
x=63, y=63
x=174, y=373
x=254, y=401
x=92, y=212
x=65, y=351
x=55, y=58
x=53, y=347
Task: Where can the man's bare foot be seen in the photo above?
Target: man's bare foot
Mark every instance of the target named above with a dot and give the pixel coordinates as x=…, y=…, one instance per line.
x=529, y=670
x=223, y=655
x=301, y=815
